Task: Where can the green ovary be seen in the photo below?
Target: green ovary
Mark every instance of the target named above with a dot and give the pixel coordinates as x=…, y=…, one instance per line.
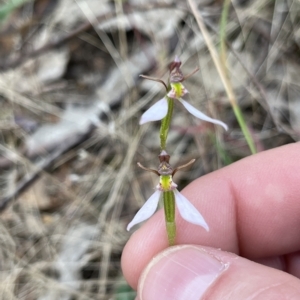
x=178, y=88
x=165, y=182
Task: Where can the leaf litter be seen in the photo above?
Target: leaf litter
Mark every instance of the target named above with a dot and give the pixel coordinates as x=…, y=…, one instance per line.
x=70, y=101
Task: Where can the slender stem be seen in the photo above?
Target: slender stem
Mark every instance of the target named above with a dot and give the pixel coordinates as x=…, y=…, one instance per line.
x=239, y=115
x=223, y=23
x=223, y=55
x=222, y=70
x=165, y=124
x=227, y=160
x=169, y=205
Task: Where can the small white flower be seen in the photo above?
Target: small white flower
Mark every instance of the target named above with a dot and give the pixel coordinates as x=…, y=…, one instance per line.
x=186, y=209
x=160, y=109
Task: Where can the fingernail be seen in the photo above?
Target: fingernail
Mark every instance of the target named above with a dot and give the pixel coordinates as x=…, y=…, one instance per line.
x=183, y=272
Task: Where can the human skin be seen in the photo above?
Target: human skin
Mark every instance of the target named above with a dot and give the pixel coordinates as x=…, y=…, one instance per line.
x=253, y=210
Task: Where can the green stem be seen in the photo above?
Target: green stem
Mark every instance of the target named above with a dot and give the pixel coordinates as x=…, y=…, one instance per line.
x=169, y=207
x=239, y=115
x=223, y=23
x=223, y=54
x=165, y=124
x=221, y=151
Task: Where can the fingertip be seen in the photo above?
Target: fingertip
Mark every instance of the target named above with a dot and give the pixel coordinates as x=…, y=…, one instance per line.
x=180, y=272
x=191, y=272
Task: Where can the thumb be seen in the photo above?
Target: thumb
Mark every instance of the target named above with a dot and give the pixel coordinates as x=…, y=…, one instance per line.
x=194, y=272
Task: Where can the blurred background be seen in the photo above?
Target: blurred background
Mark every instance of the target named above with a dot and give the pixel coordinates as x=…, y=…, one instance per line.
x=70, y=103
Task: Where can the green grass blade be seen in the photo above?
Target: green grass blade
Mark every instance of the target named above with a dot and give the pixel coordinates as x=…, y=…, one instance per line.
x=223, y=54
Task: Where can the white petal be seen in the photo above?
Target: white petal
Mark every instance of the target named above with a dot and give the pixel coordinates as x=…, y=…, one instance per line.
x=188, y=211
x=156, y=112
x=146, y=211
x=200, y=115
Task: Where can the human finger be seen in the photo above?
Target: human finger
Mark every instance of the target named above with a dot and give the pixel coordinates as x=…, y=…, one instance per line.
x=252, y=208
x=196, y=272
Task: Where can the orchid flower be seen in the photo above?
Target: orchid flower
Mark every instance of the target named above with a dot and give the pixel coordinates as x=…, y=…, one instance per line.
x=160, y=109
x=186, y=209
x=175, y=92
